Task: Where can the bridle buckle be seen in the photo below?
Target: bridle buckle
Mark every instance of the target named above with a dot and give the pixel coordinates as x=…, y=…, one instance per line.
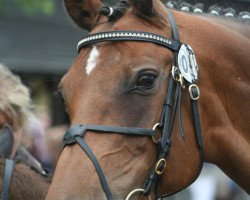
x=160, y=166
x=177, y=76
x=156, y=126
x=194, y=92
x=181, y=81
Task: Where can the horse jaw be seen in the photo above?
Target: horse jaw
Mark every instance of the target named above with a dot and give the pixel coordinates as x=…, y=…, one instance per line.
x=68, y=183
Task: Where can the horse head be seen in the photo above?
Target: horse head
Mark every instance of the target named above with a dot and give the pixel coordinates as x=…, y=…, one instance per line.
x=114, y=85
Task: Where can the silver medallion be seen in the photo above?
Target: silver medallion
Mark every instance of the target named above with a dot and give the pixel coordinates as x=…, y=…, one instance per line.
x=187, y=63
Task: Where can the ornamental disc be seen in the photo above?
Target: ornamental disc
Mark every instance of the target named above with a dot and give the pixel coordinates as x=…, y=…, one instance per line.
x=187, y=63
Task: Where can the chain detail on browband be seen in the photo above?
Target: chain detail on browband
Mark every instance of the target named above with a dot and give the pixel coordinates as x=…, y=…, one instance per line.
x=139, y=36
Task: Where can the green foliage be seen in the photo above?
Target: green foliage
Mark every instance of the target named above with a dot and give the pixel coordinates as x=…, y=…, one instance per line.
x=1, y=6
x=30, y=6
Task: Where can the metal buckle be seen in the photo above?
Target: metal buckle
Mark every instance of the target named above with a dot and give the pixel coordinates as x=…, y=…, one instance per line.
x=174, y=73
x=181, y=81
x=160, y=166
x=153, y=137
x=191, y=94
x=177, y=76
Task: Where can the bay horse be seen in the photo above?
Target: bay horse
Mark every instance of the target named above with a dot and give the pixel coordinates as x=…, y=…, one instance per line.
x=122, y=83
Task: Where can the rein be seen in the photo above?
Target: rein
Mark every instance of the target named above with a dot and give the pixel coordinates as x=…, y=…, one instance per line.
x=184, y=67
x=22, y=155
x=6, y=143
x=8, y=169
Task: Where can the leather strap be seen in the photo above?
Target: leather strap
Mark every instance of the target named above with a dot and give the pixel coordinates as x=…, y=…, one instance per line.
x=79, y=130
x=9, y=164
x=22, y=155
x=181, y=130
x=138, y=36
x=164, y=143
x=194, y=104
x=198, y=132
x=174, y=28
x=169, y=111
x=76, y=135
x=6, y=141
x=98, y=168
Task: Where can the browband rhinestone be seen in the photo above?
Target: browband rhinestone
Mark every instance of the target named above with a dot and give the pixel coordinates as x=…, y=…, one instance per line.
x=127, y=36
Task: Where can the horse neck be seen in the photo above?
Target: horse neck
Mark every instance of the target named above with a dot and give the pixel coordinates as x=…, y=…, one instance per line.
x=223, y=58
x=226, y=64
x=235, y=25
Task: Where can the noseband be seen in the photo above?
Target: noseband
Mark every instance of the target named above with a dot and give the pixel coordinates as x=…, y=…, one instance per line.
x=184, y=67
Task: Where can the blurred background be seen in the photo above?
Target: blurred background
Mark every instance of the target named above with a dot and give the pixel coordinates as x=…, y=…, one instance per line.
x=38, y=43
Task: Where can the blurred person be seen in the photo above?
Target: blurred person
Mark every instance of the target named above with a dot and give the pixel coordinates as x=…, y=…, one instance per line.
x=37, y=142
x=46, y=143
x=31, y=125
x=54, y=142
x=16, y=110
x=15, y=105
x=15, y=117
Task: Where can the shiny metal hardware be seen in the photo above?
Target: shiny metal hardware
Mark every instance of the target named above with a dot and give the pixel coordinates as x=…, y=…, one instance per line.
x=194, y=98
x=177, y=76
x=175, y=73
x=181, y=81
x=154, y=128
x=136, y=191
x=160, y=166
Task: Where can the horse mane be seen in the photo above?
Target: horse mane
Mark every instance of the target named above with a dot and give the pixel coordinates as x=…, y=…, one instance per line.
x=215, y=11
x=228, y=13
x=226, y=17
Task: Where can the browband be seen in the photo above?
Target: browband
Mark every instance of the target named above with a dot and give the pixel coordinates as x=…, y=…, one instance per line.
x=139, y=36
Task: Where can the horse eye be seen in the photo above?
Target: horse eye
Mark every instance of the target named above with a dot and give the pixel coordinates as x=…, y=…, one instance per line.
x=146, y=81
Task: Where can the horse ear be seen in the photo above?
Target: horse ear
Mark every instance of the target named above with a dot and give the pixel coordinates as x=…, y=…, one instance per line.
x=83, y=12
x=145, y=7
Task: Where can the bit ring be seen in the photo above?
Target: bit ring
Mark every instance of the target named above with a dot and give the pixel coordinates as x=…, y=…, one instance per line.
x=135, y=191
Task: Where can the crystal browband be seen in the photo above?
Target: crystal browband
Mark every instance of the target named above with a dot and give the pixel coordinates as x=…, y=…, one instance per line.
x=173, y=45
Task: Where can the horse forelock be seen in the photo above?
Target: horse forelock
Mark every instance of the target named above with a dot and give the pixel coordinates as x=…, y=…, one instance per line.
x=118, y=11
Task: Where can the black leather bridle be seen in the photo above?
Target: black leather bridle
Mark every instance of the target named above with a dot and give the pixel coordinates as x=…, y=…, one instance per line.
x=172, y=103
